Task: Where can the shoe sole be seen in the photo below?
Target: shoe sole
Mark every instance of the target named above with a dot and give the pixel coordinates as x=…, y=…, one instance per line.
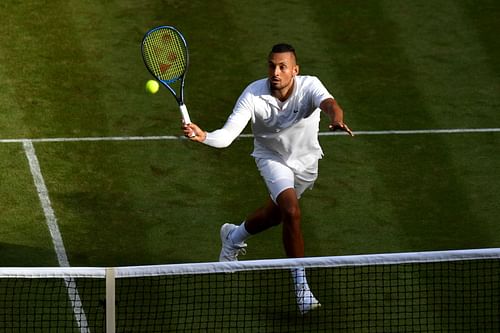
x=313, y=307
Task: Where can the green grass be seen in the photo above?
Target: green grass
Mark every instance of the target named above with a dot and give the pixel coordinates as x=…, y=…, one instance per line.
x=24, y=239
x=74, y=69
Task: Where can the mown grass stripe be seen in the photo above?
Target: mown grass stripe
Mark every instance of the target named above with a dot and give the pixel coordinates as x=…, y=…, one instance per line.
x=456, y=88
x=449, y=64
x=381, y=69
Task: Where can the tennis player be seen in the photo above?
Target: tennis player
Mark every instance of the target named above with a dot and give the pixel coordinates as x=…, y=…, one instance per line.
x=284, y=111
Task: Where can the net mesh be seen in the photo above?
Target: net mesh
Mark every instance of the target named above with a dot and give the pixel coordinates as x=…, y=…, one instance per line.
x=420, y=292
x=48, y=305
x=165, y=54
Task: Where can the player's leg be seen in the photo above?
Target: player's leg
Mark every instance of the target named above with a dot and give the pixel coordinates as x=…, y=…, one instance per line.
x=277, y=177
x=285, y=211
x=233, y=237
x=293, y=241
x=285, y=188
x=263, y=218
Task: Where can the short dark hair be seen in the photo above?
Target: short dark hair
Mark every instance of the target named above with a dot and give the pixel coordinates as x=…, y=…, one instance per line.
x=283, y=47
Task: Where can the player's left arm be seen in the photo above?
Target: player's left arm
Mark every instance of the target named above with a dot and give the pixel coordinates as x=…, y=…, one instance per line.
x=336, y=114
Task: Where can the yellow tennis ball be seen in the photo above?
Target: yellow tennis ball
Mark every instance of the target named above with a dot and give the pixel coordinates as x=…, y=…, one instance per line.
x=152, y=86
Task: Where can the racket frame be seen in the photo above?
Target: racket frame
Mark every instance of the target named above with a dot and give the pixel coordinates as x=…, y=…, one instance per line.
x=179, y=97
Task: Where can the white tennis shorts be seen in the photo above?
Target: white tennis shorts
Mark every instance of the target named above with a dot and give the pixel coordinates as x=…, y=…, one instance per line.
x=279, y=177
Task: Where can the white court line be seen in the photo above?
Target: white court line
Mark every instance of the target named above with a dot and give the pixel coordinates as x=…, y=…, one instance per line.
x=173, y=137
x=43, y=195
x=55, y=234
x=424, y=131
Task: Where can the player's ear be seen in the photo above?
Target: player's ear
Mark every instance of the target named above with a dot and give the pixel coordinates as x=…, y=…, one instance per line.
x=296, y=70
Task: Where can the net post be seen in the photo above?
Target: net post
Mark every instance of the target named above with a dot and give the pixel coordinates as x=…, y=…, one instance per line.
x=110, y=300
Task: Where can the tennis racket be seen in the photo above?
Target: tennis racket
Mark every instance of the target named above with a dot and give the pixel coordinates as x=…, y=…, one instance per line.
x=165, y=53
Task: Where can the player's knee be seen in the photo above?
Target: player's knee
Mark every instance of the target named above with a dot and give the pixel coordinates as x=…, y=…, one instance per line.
x=289, y=208
x=291, y=213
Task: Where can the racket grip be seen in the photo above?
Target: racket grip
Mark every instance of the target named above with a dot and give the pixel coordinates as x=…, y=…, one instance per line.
x=185, y=114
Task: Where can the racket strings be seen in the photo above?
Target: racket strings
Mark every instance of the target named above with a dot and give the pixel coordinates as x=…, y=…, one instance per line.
x=165, y=54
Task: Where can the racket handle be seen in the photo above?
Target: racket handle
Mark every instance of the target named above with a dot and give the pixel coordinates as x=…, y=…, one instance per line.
x=185, y=114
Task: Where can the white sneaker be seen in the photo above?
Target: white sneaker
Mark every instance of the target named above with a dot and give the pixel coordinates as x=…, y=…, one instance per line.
x=305, y=299
x=230, y=250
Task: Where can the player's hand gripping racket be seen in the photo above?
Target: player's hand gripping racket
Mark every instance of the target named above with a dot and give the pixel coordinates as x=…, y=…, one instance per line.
x=165, y=53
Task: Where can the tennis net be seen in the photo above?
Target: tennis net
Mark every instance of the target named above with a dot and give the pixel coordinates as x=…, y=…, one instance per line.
x=441, y=291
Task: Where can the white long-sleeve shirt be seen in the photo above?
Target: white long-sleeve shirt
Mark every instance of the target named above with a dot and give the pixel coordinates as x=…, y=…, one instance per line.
x=282, y=130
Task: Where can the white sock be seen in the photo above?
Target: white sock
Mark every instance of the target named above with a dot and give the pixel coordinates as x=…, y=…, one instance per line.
x=240, y=234
x=299, y=277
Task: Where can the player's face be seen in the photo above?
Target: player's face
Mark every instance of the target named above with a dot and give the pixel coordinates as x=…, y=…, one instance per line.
x=282, y=68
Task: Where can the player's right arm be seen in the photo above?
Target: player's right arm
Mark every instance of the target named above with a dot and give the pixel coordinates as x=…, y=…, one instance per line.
x=220, y=138
x=224, y=136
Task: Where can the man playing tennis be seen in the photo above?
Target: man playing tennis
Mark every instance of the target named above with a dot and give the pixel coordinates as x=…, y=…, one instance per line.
x=284, y=111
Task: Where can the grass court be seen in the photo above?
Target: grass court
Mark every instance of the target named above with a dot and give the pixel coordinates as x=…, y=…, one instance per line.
x=72, y=70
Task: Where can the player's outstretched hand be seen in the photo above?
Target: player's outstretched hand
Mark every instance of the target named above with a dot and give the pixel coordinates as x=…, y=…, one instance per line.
x=340, y=127
x=193, y=132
